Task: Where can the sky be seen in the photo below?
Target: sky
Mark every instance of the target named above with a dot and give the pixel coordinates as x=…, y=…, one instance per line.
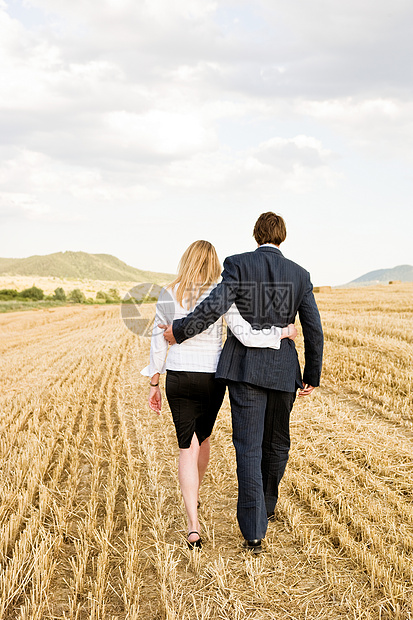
x=134, y=127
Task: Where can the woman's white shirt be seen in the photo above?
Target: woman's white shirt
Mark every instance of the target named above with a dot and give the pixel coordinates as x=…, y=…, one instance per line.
x=200, y=353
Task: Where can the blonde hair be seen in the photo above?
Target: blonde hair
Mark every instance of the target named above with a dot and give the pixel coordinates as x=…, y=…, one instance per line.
x=198, y=269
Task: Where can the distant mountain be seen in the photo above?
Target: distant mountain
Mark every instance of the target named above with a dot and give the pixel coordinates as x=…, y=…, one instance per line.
x=404, y=273
x=80, y=265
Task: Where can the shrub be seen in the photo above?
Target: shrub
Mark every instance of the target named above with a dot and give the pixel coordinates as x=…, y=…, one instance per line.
x=8, y=293
x=111, y=296
x=32, y=293
x=59, y=294
x=77, y=296
x=114, y=294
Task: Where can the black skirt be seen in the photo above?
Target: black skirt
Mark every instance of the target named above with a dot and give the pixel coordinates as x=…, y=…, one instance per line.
x=194, y=399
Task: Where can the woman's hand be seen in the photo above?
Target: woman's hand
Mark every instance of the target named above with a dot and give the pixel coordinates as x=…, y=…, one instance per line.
x=289, y=332
x=155, y=399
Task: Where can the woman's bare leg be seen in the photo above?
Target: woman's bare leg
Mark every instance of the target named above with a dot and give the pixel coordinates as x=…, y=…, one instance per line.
x=203, y=458
x=188, y=475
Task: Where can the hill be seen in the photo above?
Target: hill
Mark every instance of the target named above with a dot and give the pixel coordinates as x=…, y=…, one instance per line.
x=80, y=265
x=404, y=273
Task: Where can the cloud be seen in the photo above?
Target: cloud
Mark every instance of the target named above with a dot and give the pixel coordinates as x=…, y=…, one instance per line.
x=310, y=50
x=14, y=204
x=340, y=49
x=159, y=131
x=299, y=164
x=115, y=104
x=47, y=188
x=161, y=67
x=381, y=126
x=304, y=151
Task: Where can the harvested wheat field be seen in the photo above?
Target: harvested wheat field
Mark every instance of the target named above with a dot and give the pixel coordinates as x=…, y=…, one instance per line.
x=92, y=523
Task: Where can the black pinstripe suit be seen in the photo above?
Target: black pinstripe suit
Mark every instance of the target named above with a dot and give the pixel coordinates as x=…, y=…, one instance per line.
x=268, y=289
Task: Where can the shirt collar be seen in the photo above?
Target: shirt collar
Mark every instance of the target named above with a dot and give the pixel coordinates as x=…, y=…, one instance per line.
x=269, y=247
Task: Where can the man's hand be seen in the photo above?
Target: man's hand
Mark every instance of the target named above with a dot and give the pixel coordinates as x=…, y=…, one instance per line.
x=289, y=332
x=155, y=399
x=307, y=389
x=168, y=333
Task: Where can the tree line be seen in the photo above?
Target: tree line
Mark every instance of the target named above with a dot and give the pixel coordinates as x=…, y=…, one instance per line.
x=75, y=296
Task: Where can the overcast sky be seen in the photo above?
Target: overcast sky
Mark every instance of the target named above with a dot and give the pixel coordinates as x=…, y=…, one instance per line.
x=134, y=127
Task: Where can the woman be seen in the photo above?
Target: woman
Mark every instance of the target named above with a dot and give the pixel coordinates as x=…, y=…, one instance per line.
x=193, y=394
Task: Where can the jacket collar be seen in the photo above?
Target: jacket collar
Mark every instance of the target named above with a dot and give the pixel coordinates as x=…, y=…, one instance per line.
x=269, y=248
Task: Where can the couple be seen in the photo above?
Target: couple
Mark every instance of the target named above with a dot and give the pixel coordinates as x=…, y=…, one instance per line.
x=259, y=296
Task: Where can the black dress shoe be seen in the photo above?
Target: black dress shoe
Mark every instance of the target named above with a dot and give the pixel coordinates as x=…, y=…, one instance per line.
x=253, y=545
x=195, y=544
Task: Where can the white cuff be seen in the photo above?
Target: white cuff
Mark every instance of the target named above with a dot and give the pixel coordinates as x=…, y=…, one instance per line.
x=149, y=371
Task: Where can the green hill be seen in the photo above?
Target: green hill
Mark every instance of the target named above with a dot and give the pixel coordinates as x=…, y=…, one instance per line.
x=404, y=273
x=80, y=265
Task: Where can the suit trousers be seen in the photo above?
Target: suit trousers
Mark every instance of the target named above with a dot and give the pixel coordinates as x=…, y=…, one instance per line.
x=261, y=437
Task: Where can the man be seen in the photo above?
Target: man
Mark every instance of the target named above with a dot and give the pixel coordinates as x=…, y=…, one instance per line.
x=268, y=289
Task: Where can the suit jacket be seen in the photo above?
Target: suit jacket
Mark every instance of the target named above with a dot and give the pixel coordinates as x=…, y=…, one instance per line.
x=268, y=289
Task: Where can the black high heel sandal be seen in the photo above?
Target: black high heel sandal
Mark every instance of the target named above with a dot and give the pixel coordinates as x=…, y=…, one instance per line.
x=195, y=544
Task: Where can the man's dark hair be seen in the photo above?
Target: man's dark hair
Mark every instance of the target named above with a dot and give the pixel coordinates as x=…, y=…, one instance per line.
x=270, y=228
